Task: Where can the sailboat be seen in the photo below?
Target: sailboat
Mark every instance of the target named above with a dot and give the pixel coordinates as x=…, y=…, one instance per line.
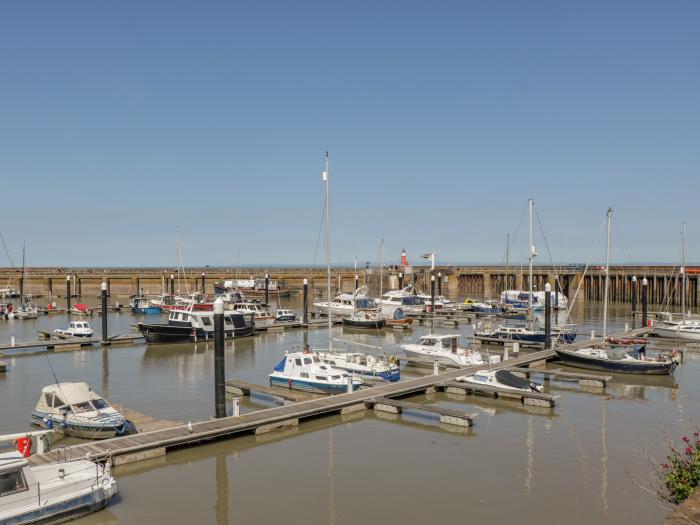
x=529, y=332
x=366, y=312
x=305, y=370
x=686, y=329
x=26, y=309
x=608, y=358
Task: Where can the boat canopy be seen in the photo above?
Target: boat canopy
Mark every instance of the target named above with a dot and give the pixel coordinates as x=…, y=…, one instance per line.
x=510, y=379
x=65, y=394
x=279, y=367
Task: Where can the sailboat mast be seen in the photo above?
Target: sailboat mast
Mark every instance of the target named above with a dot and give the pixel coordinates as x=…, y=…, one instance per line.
x=381, y=269
x=328, y=247
x=21, y=286
x=607, y=280
x=683, y=274
x=507, y=261
x=532, y=253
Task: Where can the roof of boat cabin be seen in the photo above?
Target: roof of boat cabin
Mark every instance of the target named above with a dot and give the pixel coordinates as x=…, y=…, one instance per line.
x=71, y=393
x=441, y=336
x=11, y=459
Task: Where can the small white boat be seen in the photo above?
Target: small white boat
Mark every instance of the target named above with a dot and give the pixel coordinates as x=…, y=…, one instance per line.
x=26, y=311
x=406, y=299
x=75, y=410
x=285, y=315
x=305, y=371
x=342, y=305
x=686, y=329
x=502, y=379
x=263, y=317
x=52, y=493
x=76, y=329
x=443, y=349
x=364, y=364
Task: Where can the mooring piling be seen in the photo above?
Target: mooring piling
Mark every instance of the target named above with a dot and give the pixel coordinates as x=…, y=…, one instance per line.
x=105, y=337
x=219, y=359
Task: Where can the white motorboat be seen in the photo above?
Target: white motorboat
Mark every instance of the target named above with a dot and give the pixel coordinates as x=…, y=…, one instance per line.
x=8, y=293
x=263, y=317
x=284, y=314
x=76, y=329
x=406, y=299
x=342, y=305
x=360, y=363
x=52, y=493
x=75, y=410
x=306, y=371
x=26, y=310
x=502, y=379
x=443, y=349
x=685, y=329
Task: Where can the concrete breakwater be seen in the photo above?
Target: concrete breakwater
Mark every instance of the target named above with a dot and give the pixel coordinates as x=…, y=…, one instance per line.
x=663, y=282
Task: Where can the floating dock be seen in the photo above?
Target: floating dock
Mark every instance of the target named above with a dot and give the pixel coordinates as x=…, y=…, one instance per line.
x=156, y=442
x=238, y=387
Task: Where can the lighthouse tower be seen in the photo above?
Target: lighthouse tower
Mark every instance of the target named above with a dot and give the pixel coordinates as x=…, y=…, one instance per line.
x=404, y=259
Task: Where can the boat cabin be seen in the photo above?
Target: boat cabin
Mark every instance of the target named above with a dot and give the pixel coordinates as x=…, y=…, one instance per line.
x=309, y=366
x=65, y=398
x=444, y=343
x=204, y=319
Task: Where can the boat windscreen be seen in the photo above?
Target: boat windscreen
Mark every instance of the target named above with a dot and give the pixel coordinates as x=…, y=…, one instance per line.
x=510, y=379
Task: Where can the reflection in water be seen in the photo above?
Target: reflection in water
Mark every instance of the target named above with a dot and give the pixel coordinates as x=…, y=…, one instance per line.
x=222, y=512
x=331, y=483
x=105, y=372
x=604, y=456
x=530, y=442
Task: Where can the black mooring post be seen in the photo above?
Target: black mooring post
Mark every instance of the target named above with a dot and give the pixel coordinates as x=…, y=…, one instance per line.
x=105, y=337
x=644, y=301
x=357, y=281
x=267, y=288
x=204, y=284
x=67, y=293
x=432, y=303
x=439, y=283
x=400, y=281
x=219, y=359
x=547, y=316
x=634, y=301
x=306, y=302
x=172, y=285
x=556, y=292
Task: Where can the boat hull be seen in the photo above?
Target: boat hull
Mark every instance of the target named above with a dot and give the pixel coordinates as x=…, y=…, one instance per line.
x=364, y=323
x=165, y=333
x=615, y=366
x=149, y=310
x=670, y=332
x=83, y=430
x=310, y=386
x=441, y=358
x=537, y=338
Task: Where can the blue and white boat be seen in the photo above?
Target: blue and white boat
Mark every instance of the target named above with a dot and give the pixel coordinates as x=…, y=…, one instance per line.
x=52, y=493
x=486, y=307
x=75, y=410
x=305, y=371
x=143, y=305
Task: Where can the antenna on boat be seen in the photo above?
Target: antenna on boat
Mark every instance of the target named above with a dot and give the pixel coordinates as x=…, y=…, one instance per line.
x=531, y=256
x=326, y=176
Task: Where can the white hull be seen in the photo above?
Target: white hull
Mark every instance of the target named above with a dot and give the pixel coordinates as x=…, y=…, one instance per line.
x=442, y=357
x=673, y=332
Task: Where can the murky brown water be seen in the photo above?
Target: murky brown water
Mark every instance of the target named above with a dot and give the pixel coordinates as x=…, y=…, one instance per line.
x=578, y=463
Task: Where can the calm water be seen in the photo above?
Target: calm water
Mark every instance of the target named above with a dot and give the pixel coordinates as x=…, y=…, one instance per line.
x=577, y=463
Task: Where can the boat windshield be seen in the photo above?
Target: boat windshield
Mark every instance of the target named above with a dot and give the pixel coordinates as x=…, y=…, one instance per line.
x=413, y=300
x=429, y=342
x=307, y=360
x=99, y=404
x=316, y=359
x=85, y=406
x=481, y=378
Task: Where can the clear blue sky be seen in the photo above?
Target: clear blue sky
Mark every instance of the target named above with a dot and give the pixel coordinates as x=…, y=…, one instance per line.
x=123, y=122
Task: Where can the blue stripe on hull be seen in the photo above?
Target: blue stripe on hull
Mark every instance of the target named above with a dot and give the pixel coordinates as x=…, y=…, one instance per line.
x=388, y=375
x=308, y=386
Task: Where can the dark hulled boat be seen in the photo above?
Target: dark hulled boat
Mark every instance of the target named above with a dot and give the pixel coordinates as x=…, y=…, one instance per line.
x=186, y=326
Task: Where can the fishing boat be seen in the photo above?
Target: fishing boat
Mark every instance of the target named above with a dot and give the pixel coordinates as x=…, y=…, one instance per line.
x=190, y=326
x=81, y=309
x=76, y=329
x=502, y=379
x=142, y=305
x=75, y=410
x=162, y=301
x=305, y=371
x=359, y=363
x=285, y=315
x=623, y=359
x=52, y=493
x=443, y=349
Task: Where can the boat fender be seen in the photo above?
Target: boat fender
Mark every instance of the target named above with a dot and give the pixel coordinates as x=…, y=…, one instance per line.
x=24, y=446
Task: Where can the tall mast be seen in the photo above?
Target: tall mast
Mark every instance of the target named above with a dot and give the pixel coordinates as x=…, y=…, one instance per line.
x=326, y=176
x=507, y=257
x=24, y=249
x=532, y=255
x=607, y=280
x=381, y=269
x=683, y=274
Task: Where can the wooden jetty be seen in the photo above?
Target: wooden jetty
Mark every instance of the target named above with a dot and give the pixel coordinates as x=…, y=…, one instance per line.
x=156, y=442
x=143, y=422
x=63, y=342
x=239, y=387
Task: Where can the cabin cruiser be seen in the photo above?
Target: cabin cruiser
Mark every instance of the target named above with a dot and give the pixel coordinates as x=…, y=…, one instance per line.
x=142, y=305
x=52, y=493
x=76, y=329
x=162, y=301
x=341, y=305
x=502, y=379
x=527, y=333
x=263, y=316
x=190, y=326
x=559, y=300
x=364, y=364
x=75, y=410
x=284, y=315
x=486, y=307
x=520, y=299
x=366, y=314
x=8, y=293
x=687, y=329
x=441, y=302
x=443, y=349
x=305, y=371
x=626, y=359
x=405, y=299
x=255, y=287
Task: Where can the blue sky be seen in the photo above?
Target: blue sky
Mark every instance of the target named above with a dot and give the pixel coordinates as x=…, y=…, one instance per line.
x=124, y=122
